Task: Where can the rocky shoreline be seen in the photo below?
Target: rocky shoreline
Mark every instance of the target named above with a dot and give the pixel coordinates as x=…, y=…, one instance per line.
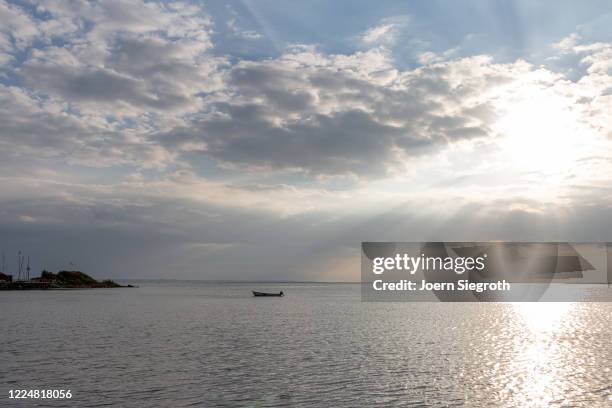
x=60, y=280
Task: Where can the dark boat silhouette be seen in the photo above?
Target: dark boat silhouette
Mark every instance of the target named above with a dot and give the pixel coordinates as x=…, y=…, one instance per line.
x=268, y=294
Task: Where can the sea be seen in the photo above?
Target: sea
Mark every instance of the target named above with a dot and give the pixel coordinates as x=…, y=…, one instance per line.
x=212, y=344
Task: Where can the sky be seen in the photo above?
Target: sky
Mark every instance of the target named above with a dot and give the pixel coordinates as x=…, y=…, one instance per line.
x=265, y=140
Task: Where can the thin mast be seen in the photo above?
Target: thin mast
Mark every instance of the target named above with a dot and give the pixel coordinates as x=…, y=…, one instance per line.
x=19, y=266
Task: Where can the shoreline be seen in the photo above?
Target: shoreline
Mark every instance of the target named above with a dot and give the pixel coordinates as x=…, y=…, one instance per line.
x=12, y=286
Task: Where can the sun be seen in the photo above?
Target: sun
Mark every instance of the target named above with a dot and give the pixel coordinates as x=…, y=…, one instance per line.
x=542, y=132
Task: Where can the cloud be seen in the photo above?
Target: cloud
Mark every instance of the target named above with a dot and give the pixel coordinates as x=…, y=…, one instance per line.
x=18, y=29
x=335, y=115
x=323, y=144
x=235, y=30
x=138, y=56
x=93, y=79
x=36, y=128
x=428, y=57
x=592, y=85
x=567, y=43
x=386, y=32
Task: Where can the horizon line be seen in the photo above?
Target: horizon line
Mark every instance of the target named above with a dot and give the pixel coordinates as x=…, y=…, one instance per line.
x=230, y=280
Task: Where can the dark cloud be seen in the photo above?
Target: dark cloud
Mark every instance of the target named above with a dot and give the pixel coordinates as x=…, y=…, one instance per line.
x=283, y=89
x=101, y=85
x=326, y=120
x=35, y=131
x=91, y=84
x=346, y=142
x=24, y=124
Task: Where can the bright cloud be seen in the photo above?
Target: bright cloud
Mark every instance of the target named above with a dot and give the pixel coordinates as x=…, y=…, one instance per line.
x=386, y=32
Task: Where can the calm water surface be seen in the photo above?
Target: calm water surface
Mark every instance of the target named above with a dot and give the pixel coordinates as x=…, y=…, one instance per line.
x=204, y=344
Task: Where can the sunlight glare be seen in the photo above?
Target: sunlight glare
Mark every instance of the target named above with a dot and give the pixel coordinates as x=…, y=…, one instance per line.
x=541, y=131
x=539, y=361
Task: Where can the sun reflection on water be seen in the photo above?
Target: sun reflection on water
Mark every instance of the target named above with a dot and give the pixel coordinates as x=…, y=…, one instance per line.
x=540, y=366
x=541, y=318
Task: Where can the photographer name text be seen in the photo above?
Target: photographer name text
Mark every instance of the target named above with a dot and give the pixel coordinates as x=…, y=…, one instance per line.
x=424, y=285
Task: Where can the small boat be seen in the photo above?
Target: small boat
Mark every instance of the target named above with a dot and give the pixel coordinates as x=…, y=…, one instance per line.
x=268, y=294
